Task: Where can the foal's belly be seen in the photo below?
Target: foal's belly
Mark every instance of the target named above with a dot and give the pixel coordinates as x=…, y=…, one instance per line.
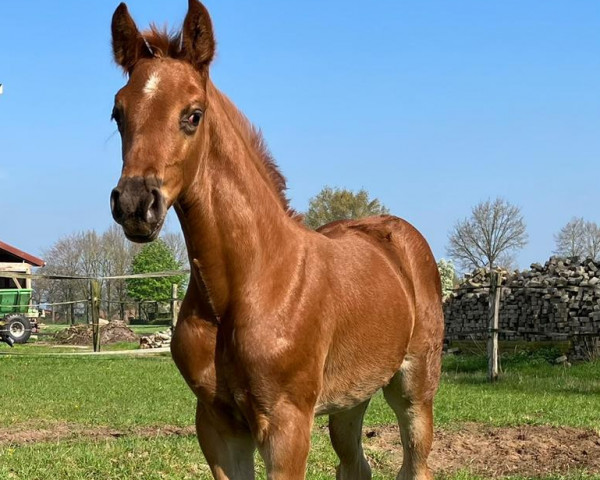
x=344, y=401
x=344, y=388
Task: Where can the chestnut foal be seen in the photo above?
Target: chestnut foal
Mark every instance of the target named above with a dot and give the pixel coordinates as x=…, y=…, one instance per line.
x=279, y=322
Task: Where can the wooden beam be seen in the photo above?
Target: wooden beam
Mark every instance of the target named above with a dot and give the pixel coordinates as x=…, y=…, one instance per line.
x=95, y=292
x=494, y=309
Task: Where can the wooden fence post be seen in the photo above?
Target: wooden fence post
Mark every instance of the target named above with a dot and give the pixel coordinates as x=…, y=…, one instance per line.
x=174, y=305
x=95, y=307
x=493, y=314
x=108, y=304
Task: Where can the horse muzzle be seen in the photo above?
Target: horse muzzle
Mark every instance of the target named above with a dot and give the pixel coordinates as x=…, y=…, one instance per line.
x=138, y=205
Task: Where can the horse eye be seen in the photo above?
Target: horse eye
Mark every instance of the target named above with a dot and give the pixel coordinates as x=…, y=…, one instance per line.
x=194, y=118
x=190, y=121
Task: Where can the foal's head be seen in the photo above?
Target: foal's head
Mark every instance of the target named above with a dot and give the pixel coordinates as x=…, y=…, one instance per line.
x=159, y=114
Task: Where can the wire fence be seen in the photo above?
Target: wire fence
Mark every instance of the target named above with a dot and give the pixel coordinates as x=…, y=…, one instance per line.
x=94, y=309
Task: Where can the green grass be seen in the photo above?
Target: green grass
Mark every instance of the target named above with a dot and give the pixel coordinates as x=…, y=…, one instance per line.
x=169, y=458
x=115, y=391
x=148, y=329
x=118, y=392
x=530, y=392
x=41, y=348
x=53, y=327
x=158, y=458
x=126, y=393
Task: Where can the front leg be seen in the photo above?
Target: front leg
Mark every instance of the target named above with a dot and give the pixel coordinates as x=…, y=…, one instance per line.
x=223, y=435
x=283, y=439
x=228, y=447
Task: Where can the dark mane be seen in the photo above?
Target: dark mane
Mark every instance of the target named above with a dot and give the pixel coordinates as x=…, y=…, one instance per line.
x=163, y=43
x=259, y=144
x=277, y=178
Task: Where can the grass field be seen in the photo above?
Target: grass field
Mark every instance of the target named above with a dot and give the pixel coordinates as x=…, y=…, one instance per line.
x=119, y=409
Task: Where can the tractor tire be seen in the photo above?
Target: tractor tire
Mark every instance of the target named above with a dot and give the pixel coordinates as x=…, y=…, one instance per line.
x=18, y=328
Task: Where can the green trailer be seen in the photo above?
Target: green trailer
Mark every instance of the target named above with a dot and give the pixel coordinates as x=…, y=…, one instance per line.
x=17, y=320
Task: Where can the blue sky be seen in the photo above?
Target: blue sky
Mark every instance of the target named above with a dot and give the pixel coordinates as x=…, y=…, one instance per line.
x=431, y=105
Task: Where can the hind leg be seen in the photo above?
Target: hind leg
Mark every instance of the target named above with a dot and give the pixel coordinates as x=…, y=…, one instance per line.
x=345, y=430
x=410, y=395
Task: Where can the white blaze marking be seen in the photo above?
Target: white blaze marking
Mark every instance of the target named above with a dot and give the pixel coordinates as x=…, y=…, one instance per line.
x=152, y=84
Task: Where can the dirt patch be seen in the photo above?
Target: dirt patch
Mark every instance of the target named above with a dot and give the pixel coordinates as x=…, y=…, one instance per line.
x=66, y=431
x=496, y=452
x=113, y=332
x=491, y=452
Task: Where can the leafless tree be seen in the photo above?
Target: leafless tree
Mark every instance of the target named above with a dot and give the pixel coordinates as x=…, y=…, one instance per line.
x=62, y=258
x=88, y=254
x=118, y=252
x=570, y=239
x=176, y=244
x=578, y=238
x=592, y=240
x=91, y=254
x=492, y=234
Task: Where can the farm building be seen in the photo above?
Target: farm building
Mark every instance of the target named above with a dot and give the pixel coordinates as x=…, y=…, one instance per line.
x=14, y=260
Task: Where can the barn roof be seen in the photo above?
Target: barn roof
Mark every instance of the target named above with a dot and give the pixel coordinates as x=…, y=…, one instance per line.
x=8, y=253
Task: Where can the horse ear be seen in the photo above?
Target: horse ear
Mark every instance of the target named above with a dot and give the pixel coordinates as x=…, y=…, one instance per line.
x=198, y=41
x=126, y=38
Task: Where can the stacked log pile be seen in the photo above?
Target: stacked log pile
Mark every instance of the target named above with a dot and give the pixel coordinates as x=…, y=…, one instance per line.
x=557, y=301
x=156, y=340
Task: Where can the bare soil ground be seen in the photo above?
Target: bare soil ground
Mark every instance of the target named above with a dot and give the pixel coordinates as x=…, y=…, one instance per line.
x=495, y=452
x=67, y=432
x=488, y=451
x=113, y=332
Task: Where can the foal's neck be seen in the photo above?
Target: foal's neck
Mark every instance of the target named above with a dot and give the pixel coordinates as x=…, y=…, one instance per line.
x=239, y=236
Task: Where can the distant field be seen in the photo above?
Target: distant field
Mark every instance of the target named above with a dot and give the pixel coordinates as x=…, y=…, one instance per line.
x=122, y=418
x=139, y=329
x=44, y=343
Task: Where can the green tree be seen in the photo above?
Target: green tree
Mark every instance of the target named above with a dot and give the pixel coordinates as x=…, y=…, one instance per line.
x=154, y=257
x=332, y=204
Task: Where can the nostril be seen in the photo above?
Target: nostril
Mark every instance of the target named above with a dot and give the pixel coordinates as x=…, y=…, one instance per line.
x=153, y=212
x=114, y=202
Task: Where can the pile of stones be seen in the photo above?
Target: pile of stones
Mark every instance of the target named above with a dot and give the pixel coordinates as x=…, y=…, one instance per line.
x=557, y=301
